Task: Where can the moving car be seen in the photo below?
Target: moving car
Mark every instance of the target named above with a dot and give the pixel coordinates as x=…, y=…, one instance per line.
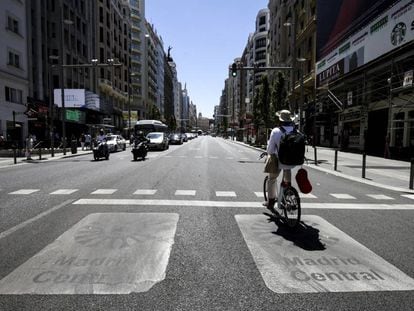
x=115, y=142
x=175, y=139
x=158, y=140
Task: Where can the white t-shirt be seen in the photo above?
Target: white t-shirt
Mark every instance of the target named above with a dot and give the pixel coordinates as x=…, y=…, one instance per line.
x=274, y=140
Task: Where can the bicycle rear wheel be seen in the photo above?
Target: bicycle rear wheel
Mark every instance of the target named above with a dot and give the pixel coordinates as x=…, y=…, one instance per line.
x=291, y=206
x=265, y=187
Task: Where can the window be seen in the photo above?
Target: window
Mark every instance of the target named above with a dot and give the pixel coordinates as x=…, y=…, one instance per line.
x=13, y=95
x=12, y=24
x=14, y=59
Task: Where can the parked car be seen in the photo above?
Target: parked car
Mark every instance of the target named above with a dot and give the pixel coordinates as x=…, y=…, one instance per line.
x=158, y=140
x=184, y=136
x=116, y=142
x=175, y=139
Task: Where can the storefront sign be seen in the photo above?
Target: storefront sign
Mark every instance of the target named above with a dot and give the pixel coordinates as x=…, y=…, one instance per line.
x=408, y=79
x=350, y=116
x=395, y=25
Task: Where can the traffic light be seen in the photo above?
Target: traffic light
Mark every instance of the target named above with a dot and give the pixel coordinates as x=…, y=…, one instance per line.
x=234, y=70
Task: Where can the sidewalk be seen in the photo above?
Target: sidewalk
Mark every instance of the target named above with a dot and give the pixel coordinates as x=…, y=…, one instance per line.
x=379, y=172
x=9, y=161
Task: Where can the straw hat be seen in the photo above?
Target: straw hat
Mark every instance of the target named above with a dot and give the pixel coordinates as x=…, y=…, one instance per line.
x=285, y=116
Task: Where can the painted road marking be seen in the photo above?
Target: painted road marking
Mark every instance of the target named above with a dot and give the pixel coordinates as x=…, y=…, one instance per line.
x=64, y=191
x=104, y=191
x=25, y=191
x=146, y=191
x=380, y=197
x=259, y=194
x=230, y=158
x=225, y=194
x=185, y=192
x=109, y=253
x=318, y=257
x=31, y=220
x=342, y=196
x=409, y=196
x=213, y=157
x=307, y=196
x=198, y=157
x=252, y=204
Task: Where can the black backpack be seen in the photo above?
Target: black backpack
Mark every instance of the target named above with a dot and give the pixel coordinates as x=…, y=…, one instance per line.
x=292, y=147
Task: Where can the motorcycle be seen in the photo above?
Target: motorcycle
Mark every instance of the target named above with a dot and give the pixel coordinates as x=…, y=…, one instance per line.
x=100, y=150
x=139, y=150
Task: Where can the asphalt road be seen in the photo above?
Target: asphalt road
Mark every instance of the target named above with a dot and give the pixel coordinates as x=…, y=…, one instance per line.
x=185, y=230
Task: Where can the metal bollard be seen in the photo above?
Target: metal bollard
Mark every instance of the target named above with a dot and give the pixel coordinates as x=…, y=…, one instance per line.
x=315, y=156
x=364, y=162
x=40, y=153
x=336, y=160
x=412, y=174
x=14, y=156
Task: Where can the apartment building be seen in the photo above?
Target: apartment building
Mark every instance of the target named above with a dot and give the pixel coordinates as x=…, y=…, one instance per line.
x=14, y=71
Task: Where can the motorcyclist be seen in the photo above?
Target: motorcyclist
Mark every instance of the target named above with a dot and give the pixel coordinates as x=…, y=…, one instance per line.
x=101, y=136
x=139, y=137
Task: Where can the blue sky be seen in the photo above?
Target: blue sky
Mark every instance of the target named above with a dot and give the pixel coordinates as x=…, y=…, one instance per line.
x=205, y=36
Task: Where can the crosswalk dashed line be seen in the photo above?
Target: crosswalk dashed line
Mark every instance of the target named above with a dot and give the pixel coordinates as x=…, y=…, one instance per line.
x=225, y=194
x=409, y=196
x=64, y=191
x=259, y=194
x=344, y=196
x=145, y=191
x=185, y=192
x=104, y=191
x=25, y=191
x=307, y=196
x=380, y=197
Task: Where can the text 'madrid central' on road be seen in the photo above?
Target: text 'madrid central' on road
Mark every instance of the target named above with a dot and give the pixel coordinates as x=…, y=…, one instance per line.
x=318, y=257
x=108, y=253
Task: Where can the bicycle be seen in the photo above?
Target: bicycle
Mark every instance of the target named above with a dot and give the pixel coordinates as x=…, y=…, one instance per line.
x=288, y=201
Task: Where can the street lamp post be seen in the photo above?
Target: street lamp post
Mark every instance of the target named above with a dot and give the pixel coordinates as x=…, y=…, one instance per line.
x=62, y=76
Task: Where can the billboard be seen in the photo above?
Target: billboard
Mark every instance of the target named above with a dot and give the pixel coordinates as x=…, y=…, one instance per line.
x=340, y=18
x=77, y=98
x=387, y=31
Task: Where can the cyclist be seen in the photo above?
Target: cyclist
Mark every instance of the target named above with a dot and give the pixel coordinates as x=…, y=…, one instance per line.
x=286, y=119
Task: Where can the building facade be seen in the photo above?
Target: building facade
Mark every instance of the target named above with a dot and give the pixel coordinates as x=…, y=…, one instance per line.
x=14, y=71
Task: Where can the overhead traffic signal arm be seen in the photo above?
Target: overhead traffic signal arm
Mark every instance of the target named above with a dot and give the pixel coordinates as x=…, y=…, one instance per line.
x=235, y=67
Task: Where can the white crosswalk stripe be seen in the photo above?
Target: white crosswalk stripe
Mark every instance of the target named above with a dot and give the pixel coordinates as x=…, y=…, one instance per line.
x=25, y=191
x=145, y=191
x=344, y=196
x=104, y=191
x=185, y=192
x=307, y=196
x=64, y=191
x=409, y=196
x=380, y=197
x=225, y=194
x=259, y=194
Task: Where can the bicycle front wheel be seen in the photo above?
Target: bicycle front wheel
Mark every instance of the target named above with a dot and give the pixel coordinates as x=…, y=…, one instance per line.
x=265, y=187
x=291, y=206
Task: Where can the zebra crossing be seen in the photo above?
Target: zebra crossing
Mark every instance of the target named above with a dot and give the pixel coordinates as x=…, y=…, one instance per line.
x=193, y=193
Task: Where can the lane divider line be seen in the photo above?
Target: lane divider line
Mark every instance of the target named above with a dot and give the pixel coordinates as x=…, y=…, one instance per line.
x=31, y=220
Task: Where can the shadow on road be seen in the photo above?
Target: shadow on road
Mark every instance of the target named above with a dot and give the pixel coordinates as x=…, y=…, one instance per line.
x=303, y=236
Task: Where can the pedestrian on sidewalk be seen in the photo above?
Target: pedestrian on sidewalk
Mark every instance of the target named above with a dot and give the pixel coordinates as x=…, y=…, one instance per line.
x=82, y=141
x=88, y=140
x=29, y=147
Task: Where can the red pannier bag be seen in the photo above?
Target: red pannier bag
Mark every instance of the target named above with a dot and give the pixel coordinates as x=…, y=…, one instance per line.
x=303, y=181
